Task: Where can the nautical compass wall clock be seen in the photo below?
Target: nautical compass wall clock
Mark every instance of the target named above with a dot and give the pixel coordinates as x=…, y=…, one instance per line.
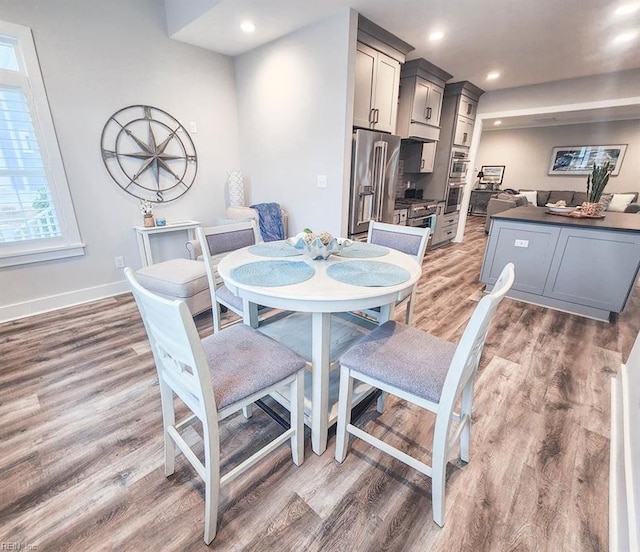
x=149, y=153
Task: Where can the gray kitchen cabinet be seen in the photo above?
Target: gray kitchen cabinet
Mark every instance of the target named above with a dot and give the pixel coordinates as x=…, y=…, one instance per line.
x=377, y=81
x=463, y=131
x=427, y=102
x=467, y=107
x=419, y=157
x=593, y=268
x=420, y=104
x=529, y=247
x=446, y=226
x=583, y=267
x=456, y=132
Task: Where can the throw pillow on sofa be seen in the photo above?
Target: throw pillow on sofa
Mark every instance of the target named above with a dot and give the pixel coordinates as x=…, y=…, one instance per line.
x=532, y=197
x=619, y=202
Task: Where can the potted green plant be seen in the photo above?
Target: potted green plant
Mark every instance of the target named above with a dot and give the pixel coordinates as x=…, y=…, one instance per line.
x=596, y=183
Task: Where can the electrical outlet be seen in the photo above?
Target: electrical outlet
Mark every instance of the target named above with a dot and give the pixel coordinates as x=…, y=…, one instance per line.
x=322, y=181
x=193, y=126
x=522, y=243
x=119, y=262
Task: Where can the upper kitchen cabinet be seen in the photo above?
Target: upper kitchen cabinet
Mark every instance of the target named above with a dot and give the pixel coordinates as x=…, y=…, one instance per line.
x=463, y=98
x=379, y=56
x=376, y=90
x=463, y=131
x=418, y=157
x=421, y=93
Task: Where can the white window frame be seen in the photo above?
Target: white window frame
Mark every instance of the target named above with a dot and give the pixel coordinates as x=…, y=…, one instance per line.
x=69, y=244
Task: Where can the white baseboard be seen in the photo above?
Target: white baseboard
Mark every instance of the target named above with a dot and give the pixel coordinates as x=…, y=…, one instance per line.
x=60, y=301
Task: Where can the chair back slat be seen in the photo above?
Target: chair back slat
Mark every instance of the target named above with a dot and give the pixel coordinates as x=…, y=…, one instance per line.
x=215, y=241
x=469, y=350
x=177, y=350
x=232, y=240
x=407, y=239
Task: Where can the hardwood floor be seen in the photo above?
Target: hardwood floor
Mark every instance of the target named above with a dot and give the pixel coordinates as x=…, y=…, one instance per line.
x=82, y=463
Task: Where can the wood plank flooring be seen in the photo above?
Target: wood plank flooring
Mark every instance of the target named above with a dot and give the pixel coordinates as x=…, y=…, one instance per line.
x=81, y=463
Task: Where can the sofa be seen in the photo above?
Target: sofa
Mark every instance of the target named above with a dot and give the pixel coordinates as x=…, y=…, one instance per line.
x=572, y=198
x=501, y=203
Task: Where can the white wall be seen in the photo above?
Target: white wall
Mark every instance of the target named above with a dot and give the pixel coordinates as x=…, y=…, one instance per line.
x=97, y=57
x=526, y=154
x=295, y=121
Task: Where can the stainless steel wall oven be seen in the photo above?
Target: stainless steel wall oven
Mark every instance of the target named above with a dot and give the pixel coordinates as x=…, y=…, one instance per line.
x=454, y=197
x=459, y=164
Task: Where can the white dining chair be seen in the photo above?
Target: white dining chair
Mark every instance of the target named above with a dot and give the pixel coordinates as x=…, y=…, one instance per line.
x=408, y=239
x=215, y=377
x=214, y=242
x=427, y=371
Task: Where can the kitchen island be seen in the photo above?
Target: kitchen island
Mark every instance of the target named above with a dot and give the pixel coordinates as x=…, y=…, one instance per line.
x=577, y=265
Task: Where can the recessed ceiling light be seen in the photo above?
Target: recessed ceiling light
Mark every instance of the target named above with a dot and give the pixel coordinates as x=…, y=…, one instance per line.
x=247, y=26
x=626, y=36
x=436, y=35
x=626, y=9
x=497, y=123
x=493, y=75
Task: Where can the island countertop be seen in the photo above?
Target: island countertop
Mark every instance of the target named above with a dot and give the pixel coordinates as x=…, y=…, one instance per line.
x=629, y=222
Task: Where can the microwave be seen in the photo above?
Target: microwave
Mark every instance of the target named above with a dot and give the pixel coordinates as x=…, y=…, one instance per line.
x=459, y=165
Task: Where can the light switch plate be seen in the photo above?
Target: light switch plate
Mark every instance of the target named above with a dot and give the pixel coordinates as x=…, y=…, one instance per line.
x=322, y=181
x=522, y=243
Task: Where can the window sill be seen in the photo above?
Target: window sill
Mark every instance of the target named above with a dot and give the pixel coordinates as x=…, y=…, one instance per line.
x=39, y=255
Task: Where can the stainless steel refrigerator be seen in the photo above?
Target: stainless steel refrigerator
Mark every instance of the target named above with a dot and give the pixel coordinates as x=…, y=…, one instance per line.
x=373, y=178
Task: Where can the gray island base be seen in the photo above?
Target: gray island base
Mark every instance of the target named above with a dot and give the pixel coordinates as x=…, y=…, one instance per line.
x=576, y=265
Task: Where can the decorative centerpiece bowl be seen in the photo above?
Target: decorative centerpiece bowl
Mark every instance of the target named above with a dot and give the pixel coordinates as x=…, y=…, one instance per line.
x=318, y=246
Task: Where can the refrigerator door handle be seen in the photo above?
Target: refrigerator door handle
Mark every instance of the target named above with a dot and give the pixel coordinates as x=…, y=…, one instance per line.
x=380, y=157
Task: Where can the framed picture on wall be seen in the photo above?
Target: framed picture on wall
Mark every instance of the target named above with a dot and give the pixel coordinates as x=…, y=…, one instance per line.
x=579, y=160
x=492, y=174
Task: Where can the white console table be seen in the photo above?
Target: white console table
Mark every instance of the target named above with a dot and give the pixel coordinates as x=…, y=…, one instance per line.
x=143, y=233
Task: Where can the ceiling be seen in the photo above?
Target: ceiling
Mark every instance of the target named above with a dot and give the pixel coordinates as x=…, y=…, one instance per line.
x=527, y=41
x=618, y=113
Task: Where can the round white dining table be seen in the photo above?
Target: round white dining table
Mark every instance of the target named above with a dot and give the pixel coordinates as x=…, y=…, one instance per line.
x=320, y=295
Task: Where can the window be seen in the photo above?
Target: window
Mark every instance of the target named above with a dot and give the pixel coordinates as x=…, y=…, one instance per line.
x=37, y=221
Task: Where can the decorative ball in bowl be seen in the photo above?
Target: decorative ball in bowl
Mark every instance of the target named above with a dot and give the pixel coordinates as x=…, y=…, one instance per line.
x=318, y=246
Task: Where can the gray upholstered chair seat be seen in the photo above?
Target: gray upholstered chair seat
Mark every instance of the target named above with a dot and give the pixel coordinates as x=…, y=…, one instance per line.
x=241, y=362
x=224, y=295
x=404, y=357
x=178, y=279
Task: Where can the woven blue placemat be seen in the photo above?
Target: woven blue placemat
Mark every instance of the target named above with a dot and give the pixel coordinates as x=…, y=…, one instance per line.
x=272, y=273
x=274, y=249
x=368, y=273
x=363, y=250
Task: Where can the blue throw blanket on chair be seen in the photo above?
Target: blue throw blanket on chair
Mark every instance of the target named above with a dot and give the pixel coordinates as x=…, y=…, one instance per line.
x=270, y=221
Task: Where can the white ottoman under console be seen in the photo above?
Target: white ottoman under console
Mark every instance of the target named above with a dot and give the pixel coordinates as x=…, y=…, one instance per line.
x=178, y=279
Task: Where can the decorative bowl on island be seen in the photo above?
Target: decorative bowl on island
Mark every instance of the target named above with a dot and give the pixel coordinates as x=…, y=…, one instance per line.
x=559, y=208
x=318, y=246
